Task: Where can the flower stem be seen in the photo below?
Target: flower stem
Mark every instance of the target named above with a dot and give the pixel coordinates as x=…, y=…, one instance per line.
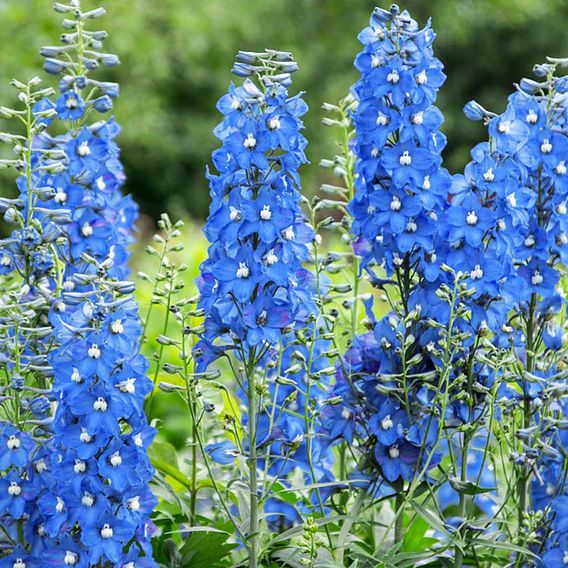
x=399, y=518
x=253, y=465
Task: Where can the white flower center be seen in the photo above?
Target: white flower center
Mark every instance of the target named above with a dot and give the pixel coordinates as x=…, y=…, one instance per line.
x=422, y=78
x=562, y=239
x=530, y=241
x=80, y=466
x=250, y=142
x=101, y=183
x=565, y=557
x=235, y=214
x=561, y=209
x=531, y=117
x=289, y=234
x=411, y=226
x=94, y=351
x=395, y=204
x=117, y=327
x=75, y=376
x=270, y=258
x=19, y=563
x=85, y=437
x=386, y=422
x=127, y=386
x=382, y=119
x=70, y=558
x=14, y=489
x=274, y=123
x=512, y=199
x=265, y=213
x=83, y=149
x=40, y=465
x=134, y=503
x=374, y=152
x=243, y=270
x=5, y=260
x=116, y=459
x=405, y=159
x=393, y=77
x=100, y=405
x=426, y=185
x=394, y=452
x=471, y=218
x=138, y=440
x=537, y=278
x=60, y=505
x=106, y=531
x=13, y=442
x=87, y=230
x=476, y=273
x=489, y=175
x=87, y=500
x=504, y=127
x=375, y=61
x=60, y=196
x=560, y=169
x=546, y=146
x=417, y=118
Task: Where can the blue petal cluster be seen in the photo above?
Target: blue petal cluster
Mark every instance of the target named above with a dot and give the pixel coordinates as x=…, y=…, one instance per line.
x=253, y=286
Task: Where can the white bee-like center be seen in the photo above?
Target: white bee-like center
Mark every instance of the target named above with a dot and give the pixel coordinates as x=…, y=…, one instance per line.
x=87, y=230
x=422, y=78
x=395, y=204
x=471, y=218
x=5, y=260
x=426, y=184
x=530, y=241
x=243, y=270
x=101, y=183
x=87, y=500
x=386, y=422
x=100, y=405
x=375, y=61
x=85, y=437
x=561, y=168
x=250, y=141
x=476, y=273
x=537, y=278
x=60, y=196
x=14, y=490
x=134, y=503
x=417, y=118
x=128, y=386
x=394, y=452
x=83, y=149
x=393, y=77
x=19, y=563
x=80, y=467
x=70, y=558
x=60, y=506
x=116, y=327
x=40, y=465
x=75, y=376
x=489, y=175
x=546, y=146
x=274, y=123
x=382, y=119
x=94, y=351
x=265, y=213
x=411, y=226
x=13, y=442
x=106, y=531
x=289, y=234
x=270, y=258
x=405, y=159
x=504, y=127
x=531, y=117
x=561, y=209
x=116, y=459
x=235, y=214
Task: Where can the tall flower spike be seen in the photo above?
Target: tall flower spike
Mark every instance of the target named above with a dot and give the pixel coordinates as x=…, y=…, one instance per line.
x=97, y=503
x=253, y=286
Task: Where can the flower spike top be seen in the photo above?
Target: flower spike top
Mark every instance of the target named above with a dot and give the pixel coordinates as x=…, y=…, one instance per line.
x=253, y=287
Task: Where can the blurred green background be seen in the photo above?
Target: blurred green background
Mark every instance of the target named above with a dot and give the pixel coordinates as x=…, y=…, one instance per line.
x=177, y=54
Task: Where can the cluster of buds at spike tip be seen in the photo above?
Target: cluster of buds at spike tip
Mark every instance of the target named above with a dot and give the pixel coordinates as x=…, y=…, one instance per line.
x=275, y=65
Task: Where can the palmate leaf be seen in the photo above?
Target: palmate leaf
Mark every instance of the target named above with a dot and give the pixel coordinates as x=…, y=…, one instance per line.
x=207, y=550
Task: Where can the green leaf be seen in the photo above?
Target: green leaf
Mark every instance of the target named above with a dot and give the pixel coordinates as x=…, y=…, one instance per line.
x=415, y=538
x=468, y=487
x=207, y=550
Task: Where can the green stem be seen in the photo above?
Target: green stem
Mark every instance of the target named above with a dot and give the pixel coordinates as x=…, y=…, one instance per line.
x=399, y=518
x=253, y=466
